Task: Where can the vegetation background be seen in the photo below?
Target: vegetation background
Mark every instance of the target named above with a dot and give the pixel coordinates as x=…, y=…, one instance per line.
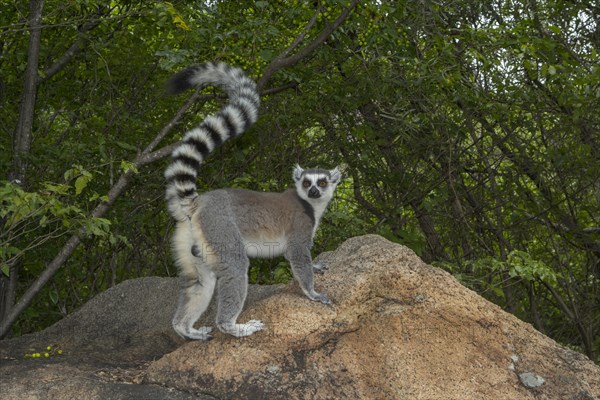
x=467, y=130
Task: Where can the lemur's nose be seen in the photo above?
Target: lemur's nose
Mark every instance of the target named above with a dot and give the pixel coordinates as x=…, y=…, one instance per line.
x=314, y=193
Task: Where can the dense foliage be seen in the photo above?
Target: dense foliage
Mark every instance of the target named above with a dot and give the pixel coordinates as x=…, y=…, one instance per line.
x=467, y=130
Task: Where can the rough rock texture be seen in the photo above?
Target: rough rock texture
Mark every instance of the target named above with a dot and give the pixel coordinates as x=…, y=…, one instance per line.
x=106, y=347
x=398, y=329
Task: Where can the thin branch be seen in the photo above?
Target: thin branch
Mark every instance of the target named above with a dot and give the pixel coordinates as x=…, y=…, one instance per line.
x=157, y=155
x=76, y=47
x=283, y=61
x=62, y=61
x=285, y=53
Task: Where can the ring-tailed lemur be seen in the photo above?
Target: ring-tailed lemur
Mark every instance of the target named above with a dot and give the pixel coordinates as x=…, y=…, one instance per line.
x=218, y=231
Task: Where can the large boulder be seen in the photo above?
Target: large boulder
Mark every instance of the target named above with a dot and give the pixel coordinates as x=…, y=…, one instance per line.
x=398, y=329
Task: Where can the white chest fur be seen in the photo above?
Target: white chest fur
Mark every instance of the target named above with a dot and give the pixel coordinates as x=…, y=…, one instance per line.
x=319, y=209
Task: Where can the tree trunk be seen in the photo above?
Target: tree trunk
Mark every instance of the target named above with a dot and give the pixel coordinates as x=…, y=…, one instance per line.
x=533, y=308
x=23, y=134
x=21, y=142
x=435, y=250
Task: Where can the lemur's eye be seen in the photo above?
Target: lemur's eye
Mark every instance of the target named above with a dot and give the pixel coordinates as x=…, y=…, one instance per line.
x=322, y=183
x=306, y=183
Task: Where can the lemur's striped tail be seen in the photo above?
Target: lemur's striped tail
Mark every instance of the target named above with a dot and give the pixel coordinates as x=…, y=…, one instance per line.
x=232, y=120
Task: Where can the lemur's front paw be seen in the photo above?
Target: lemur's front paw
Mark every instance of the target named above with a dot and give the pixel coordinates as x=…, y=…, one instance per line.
x=320, y=268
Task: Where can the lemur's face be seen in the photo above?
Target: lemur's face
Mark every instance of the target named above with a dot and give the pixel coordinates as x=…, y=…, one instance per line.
x=313, y=184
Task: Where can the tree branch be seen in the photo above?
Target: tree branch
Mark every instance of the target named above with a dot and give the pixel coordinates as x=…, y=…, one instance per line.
x=62, y=61
x=75, y=48
x=283, y=61
x=296, y=42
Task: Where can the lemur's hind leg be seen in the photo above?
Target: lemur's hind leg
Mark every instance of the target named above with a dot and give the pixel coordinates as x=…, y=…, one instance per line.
x=196, y=287
x=232, y=287
x=230, y=263
x=195, y=293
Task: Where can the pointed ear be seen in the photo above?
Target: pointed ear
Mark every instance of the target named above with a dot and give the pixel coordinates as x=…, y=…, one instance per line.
x=336, y=175
x=298, y=170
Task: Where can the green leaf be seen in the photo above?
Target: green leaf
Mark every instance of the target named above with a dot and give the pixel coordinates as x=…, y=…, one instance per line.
x=266, y=55
x=97, y=227
x=127, y=166
x=61, y=189
x=177, y=19
x=281, y=274
x=81, y=183
x=53, y=296
x=523, y=265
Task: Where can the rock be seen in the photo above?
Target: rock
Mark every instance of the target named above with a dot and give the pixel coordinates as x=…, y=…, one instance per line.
x=531, y=380
x=514, y=359
x=398, y=329
x=106, y=347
